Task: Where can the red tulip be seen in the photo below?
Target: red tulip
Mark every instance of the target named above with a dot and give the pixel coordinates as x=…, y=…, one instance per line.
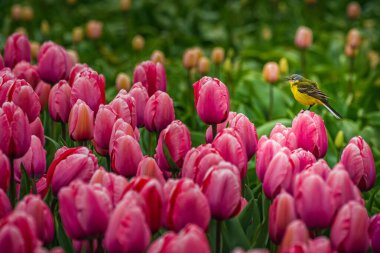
x=296, y=234
x=104, y=121
x=59, y=101
x=124, y=105
x=212, y=100
x=5, y=205
x=219, y=127
x=81, y=122
x=5, y=171
x=28, y=72
x=16, y=49
x=159, y=112
x=304, y=37
x=140, y=94
x=285, y=136
x=119, y=129
x=353, y=10
x=320, y=167
x=266, y=149
x=149, y=168
x=374, y=233
x=43, y=92
x=305, y=159
x=151, y=75
x=37, y=129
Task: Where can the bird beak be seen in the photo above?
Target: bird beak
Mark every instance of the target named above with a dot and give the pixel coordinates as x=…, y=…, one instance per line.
x=287, y=78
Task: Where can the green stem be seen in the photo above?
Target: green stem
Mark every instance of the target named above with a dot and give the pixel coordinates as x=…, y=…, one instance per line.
x=151, y=145
x=371, y=199
x=12, y=189
x=99, y=248
x=214, y=130
x=63, y=131
x=90, y=245
x=53, y=205
x=34, y=187
x=303, y=62
x=352, y=72
x=108, y=163
x=218, y=236
x=270, y=101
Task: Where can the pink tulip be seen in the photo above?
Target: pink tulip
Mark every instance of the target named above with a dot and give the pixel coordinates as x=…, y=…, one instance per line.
x=176, y=139
x=315, y=204
x=159, y=112
x=320, y=167
x=271, y=72
x=198, y=161
x=311, y=133
x=358, y=160
x=40, y=212
x=219, y=127
x=151, y=75
x=304, y=37
x=43, y=92
x=42, y=186
x=266, y=149
x=320, y=245
x=16, y=49
x=212, y=100
x=54, y=63
x=84, y=246
x=305, y=159
x=81, y=122
x=37, y=129
x=124, y=106
x=189, y=239
x=119, y=129
x=22, y=94
x=285, y=136
x=28, y=72
x=349, y=232
x=85, y=210
x=5, y=171
x=123, y=164
x=140, y=94
x=374, y=233
x=134, y=234
x=296, y=234
x=231, y=147
x=5, y=205
x=281, y=213
x=6, y=74
x=222, y=188
x=74, y=72
x=15, y=131
x=185, y=203
x=149, y=168
x=70, y=164
x=104, y=121
x=59, y=101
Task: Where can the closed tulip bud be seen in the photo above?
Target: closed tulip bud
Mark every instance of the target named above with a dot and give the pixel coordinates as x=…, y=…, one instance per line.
x=222, y=188
x=120, y=128
x=5, y=204
x=138, y=42
x=320, y=167
x=281, y=213
x=284, y=66
x=158, y=57
x=34, y=161
x=140, y=94
x=81, y=122
x=203, y=65
x=339, y=139
x=311, y=133
x=94, y=29
x=129, y=218
x=271, y=72
x=125, y=5
x=374, y=233
x=285, y=136
x=59, y=102
x=185, y=203
x=70, y=164
x=219, y=127
x=104, y=121
x=40, y=212
x=123, y=81
x=43, y=92
x=18, y=233
x=358, y=160
x=279, y=174
x=160, y=103
x=16, y=49
x=266, y=149
x=304, y=37
x=6, y=74
x=189, y=239
x=212, y=100
x=27, y=13
x=15, y=131
x=5, y=171
x=189, y=59
x=122, y=164
x=45, y=27
x=266, y=33
x=54, y=63
x=296, y=233
x=198, y=161
x=77, y=34
x=124, y=106
x=76, y=71
x=315, y=204
x=320, y=244
x=149, y=168
x=217, y=55
x=24, y=70
x=354, y=38
x=349, y=232
x=305, y=158
x=151, y=75
x=73, y=56
x=42, y=186
x=84, y=209
x=16, y=12
x=353, y=10
x=34, y=48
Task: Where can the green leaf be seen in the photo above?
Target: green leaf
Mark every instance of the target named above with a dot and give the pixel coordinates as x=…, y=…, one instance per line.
x=246, y=216
x=25, y=183
x=267, y=127
x=64, y=241
x=234, y=235
x=197, y=138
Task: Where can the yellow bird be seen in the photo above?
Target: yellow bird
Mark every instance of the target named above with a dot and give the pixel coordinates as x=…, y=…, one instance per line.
x=307, y=92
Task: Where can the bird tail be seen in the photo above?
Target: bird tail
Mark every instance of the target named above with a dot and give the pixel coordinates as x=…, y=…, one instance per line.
x=333, y=112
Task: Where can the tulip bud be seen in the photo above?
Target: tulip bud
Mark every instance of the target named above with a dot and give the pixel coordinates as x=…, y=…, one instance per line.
x=160, y=103
x=24, y=70
x=138, y=42
x=189, y=59
x=203, y=65
x=40, y=212
x=354, y=38
x=5, y=170
x=27, y=13
x=212, y=100
x=73, y=56
x=304, y=37
x=358, y=160
x=271, y=72
x=217, y=55
x=59, y=102
x=34, y=48
x=339, y=139
x=285, y=136
x=158, y=57
x=239, y=250
x=149, y=168
x=296, y=234
x=16, y=12
x=76, y=72
x=43, y=92
x=305, y=159
x=81, y=122
x=151, y=75
x=266, y=33
x=45, y=27
x=83, y=245
x=125, y=5
x=311, y=133
x=104, y=121
x=119, y=129
x=140, y=94
x=374, y=233
x=77, y=34
x=349, y=232
x=266, y=149
x=185, y=203
x=123, y=81
x=16, y=49
x=5, y=204
x=124, y=106
x=94, y=29
x=353, y=10
x=219, y=127
x=284, y=66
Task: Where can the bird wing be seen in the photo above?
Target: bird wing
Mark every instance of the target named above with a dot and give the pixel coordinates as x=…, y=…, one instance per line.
x=312, y=90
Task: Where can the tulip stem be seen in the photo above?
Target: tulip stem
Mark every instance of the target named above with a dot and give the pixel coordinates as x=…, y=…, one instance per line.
x=99, y=248
x=12, y=190
x=34, y=187
x=218, y=236
x=63, y=131
x=108, y=163
x=53, y=205
x=303, y=61
x=90, y=246
x=214, y=130
x=270, y=101
x=352, y=71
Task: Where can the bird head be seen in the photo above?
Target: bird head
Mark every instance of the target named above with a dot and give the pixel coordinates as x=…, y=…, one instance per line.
x=295, y=78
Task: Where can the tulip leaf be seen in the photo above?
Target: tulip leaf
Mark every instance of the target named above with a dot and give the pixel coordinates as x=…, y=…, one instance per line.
x=25, y=182
x=56, y=144
x=246, y=216
x=168, y=157
x=63, y=239
x=197, y=138
x=234, y=235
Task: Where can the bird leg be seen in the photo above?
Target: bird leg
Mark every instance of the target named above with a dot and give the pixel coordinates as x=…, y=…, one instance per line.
x=310, y=107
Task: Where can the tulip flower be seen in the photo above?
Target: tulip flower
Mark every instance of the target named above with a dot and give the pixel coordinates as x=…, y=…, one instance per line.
x=349, y=232
x=320, y=167
x=119, y=129
x=358, y=160
x=176, y=139
x=320, y=245
x=5, y=205
x=198, y=161
x=6, y=74
x=353, y=10
x=54, y=63
x=70, y=164
x=157, y=56
x=129, y=218
x=190, y=239
x=94, y=29
x=203, y=65
x=305, y=159
x=16, y=49
x=123, y=81
x=185, y=203
x=140, y=94
x=281, y=213
x=212, y=100
x=315, y=204
x=266, y=149
x=24, y=70
x=222, y=188
x=231, y=147
x=159, y=112
x=123, y=164
x=75, y=72
x=138, y=42
x=217, y=55
x=81, y=122
x=43, y=92
x=149, y=168
x=219, y=127
x=374, y=233
x=304, y=37
x=42, y=186
x=296, y=233
x=59, y=101
x=104, y=121
x=285, y=136
x=124, y=106
x=311, y=133
x=5, y=171
x=271, y=72
x=151, y=75
x=40, y=212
